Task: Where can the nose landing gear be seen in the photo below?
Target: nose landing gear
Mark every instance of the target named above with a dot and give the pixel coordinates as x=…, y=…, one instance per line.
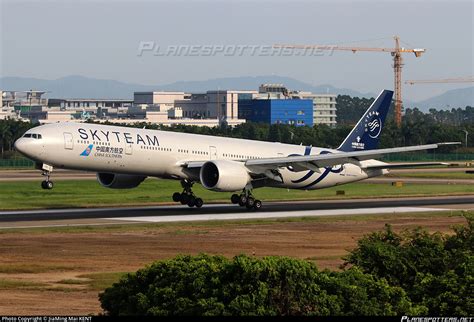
x=246, y=199
x=47, y=169
x=187, y=197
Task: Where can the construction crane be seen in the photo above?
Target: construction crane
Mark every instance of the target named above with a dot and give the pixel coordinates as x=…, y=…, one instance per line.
x=469, y=79
x=396, y=53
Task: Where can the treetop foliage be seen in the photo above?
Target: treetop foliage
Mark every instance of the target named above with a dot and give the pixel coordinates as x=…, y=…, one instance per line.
x=436, y=270
x=213, y=285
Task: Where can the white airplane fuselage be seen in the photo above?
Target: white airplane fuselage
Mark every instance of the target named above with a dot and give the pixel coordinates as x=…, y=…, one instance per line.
x=153, y=153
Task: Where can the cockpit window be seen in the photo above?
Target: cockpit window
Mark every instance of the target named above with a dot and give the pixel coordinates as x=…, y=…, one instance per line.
x=32, y=135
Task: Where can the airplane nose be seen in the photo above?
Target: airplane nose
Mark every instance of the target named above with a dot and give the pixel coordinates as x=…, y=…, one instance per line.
x=29, y=147
x=20, y=145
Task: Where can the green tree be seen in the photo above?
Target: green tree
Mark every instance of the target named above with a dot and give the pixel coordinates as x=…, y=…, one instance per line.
x=213, y=285
x=435, y=270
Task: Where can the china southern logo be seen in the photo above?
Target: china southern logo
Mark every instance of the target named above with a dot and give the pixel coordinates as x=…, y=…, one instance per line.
x=87, y=151
x=358, y=145
x=373, y=124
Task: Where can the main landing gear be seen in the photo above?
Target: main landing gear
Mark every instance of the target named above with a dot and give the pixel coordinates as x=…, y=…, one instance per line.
x=246, y=199
x=47, y=184
x=187, y=197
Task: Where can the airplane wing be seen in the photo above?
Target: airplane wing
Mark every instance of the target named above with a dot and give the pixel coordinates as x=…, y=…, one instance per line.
x=314, y=162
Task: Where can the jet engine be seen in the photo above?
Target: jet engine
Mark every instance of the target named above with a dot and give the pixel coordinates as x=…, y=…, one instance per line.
x=119, y=181
x=223, y=175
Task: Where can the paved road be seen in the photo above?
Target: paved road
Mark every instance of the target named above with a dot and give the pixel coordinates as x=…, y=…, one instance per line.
x=222, y=209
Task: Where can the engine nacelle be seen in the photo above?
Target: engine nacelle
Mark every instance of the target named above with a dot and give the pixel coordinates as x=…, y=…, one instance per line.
x=223, y=175
x=119, y=181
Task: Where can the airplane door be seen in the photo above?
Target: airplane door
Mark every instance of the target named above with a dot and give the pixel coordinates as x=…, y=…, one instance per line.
x=128, y=149
x=213, y=152
x=68, y=141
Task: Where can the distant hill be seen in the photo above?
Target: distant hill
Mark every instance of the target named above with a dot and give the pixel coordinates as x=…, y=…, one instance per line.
x=253, y=82
x=85, y=87
x=454, y=98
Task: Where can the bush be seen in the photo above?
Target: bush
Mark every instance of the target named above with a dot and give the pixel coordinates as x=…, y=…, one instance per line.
x=214, y=285
x=435, y=270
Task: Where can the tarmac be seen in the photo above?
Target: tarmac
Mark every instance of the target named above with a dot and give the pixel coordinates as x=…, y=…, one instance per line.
x=211, y=212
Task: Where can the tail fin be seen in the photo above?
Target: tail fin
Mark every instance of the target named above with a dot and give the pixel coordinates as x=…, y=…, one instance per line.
x=366, y=134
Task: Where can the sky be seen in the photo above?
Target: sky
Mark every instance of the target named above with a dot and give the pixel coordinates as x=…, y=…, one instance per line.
x=102, y=39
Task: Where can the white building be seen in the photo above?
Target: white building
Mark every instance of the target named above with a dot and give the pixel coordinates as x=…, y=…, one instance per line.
x=6, y=112
x=164, y=100
x=324, y=107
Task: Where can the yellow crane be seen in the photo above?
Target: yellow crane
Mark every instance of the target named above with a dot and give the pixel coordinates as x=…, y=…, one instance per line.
x=396, y=53
x=469, y=79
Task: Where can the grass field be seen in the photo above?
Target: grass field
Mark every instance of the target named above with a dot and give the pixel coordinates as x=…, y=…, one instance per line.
x=77, y=193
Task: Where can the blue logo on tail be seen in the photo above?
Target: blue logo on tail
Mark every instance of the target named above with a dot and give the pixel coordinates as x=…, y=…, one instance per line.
x=366, y=134
x=87, y=151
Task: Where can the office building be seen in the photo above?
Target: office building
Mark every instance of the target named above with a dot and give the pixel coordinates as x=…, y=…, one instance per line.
x=298, y=112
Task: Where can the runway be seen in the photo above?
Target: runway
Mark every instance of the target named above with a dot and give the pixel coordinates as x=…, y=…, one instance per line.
x=178, y=213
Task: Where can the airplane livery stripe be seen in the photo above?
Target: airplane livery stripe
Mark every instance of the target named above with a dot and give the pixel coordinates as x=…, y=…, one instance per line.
x=307, y=151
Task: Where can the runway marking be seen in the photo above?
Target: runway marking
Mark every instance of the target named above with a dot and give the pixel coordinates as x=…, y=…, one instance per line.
x=286, y=214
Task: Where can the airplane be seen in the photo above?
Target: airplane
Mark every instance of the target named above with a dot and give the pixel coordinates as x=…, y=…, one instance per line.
x=124, y=157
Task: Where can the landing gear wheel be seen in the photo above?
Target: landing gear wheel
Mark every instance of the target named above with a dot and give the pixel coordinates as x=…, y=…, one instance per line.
x=257, y=204
x=191, y=201
x=187, y=197
x=235, y=198
x=250, y=203
x=246, y=199
x=242, y=200
x=48, y=185
x=198, y=202
x=176, y=197
x=184, y=199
